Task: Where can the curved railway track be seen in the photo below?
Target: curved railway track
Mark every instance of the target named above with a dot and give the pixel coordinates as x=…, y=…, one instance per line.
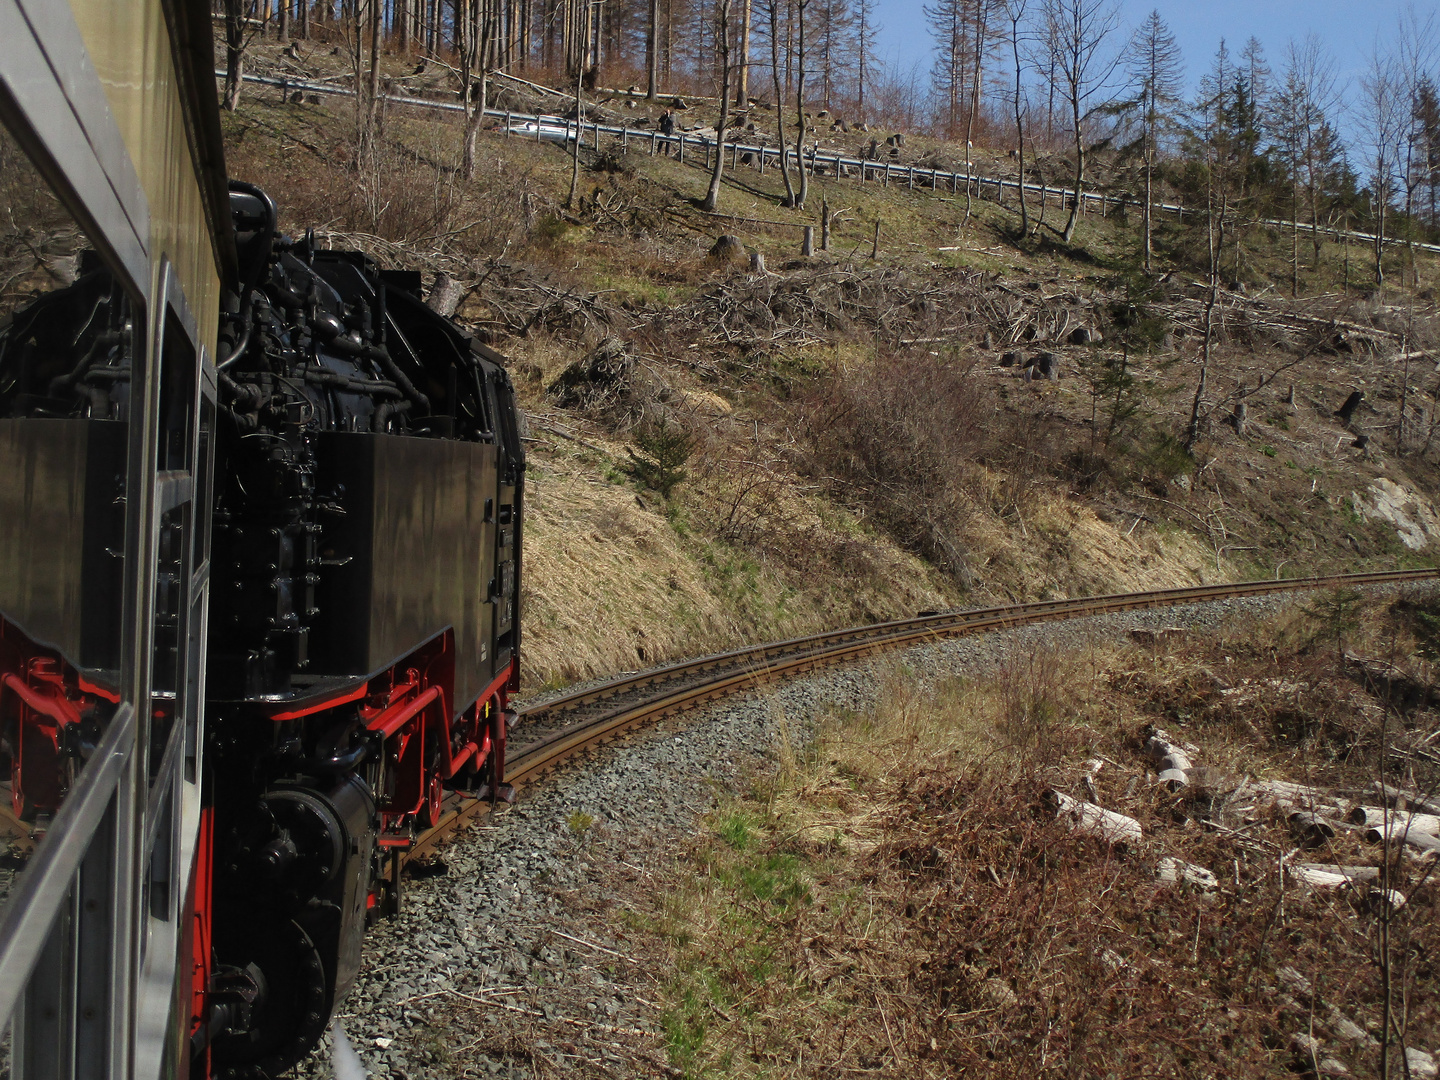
x=548, y=733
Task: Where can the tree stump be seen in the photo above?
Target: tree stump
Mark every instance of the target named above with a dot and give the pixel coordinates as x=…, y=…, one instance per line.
x=727, y=248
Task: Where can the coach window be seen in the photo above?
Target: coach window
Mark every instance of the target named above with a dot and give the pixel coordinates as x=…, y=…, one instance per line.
x=67, y=334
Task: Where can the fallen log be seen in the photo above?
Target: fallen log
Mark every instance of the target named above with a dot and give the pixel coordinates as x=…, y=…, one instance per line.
x=1172, y=758
x=1350, y=873
x=1421, y=840
x=1376, y=819
x=1171, y=871
x=1310, y=829
x=1395, y=796
x=1093, y=820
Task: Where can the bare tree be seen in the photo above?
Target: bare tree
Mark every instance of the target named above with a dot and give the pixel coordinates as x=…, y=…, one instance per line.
x=1156, y=72
x=980, y=45
x=717, y=170
x=803, y=193
x=790, y=198
x=652, y=51
x=742, y=79
x=241, y=28
x=1077, y=37
x=1306, y=94
x=1212, y=137
x=1383, y=121
x=866, y=32
x=475, y=40
x=1015, y=15
x=1415, y=54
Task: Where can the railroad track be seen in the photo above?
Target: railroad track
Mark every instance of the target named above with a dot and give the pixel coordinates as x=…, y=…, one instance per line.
x=549, y=733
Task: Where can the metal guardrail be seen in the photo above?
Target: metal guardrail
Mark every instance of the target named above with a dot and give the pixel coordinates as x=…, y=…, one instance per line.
x=842, y=165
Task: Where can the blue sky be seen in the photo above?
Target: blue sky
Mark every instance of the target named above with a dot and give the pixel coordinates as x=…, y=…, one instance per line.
x=1348, y=28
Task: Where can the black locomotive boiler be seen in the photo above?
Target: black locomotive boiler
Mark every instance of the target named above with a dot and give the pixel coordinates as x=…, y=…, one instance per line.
x=353, y=489
x=364, y=630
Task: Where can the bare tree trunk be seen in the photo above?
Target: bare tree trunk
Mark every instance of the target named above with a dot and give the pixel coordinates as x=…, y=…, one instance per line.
x=1380, y=205
x=800, y=108
x=1217, y=246
x=575, y=150
x=717, y=170
x=742, y=89
x=984, y=9
x=476, y=44
x=1070, y=222
x=1020, y=131
x=235, y=43
x=780, y=100
x=652, y=52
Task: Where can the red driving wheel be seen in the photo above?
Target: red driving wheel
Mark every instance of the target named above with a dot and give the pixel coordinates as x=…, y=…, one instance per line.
x=434, y=796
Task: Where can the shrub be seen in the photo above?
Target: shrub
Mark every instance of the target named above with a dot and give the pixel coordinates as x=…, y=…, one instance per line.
x=664, y=450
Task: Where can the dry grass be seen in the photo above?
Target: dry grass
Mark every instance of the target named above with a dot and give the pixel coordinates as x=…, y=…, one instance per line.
x=894, y=898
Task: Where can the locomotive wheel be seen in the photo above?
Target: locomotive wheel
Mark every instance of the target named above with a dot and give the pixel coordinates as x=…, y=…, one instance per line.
x=291, y=1017
x=434, y=798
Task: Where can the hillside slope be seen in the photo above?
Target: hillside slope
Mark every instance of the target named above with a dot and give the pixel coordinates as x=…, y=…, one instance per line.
x=722, y=455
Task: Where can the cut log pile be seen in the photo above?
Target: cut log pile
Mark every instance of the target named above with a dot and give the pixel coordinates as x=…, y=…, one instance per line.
x=1378, y=839
x=1385, y=815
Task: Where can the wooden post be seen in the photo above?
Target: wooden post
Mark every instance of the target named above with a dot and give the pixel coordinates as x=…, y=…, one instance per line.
x=875, y=242
x=682, y=149
x=886, y=182
x=807, y=245
x=597, y=136
x=507, y=122
x=654, y=135
x=625, y=137
x=910, y=172
x=707, y=153
x=824, y=224
x=762, y=161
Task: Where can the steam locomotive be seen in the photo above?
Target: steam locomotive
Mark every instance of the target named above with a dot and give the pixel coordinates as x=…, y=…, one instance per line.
x=260, y=536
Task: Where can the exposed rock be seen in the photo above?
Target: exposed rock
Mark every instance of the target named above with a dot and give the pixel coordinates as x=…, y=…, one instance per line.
x=1421, y=1065
x=1083, y=335
x=1411, y=515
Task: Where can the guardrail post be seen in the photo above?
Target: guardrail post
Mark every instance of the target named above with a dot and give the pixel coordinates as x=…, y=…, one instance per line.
x=886, y=181
x=682, y=149
x=507, y=122
x=762, y=161
x=625, y=137
x=597, y=136
x=537, y=127
x=653, y=136
x=910, y=170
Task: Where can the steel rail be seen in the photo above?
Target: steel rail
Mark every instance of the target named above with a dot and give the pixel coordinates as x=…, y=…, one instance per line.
x=674, y=689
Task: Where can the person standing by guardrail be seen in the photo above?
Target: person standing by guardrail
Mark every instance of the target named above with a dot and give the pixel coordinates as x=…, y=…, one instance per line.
x=667, y=128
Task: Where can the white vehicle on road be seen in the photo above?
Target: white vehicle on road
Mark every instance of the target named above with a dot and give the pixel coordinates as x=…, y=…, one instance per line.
x=551, y=129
